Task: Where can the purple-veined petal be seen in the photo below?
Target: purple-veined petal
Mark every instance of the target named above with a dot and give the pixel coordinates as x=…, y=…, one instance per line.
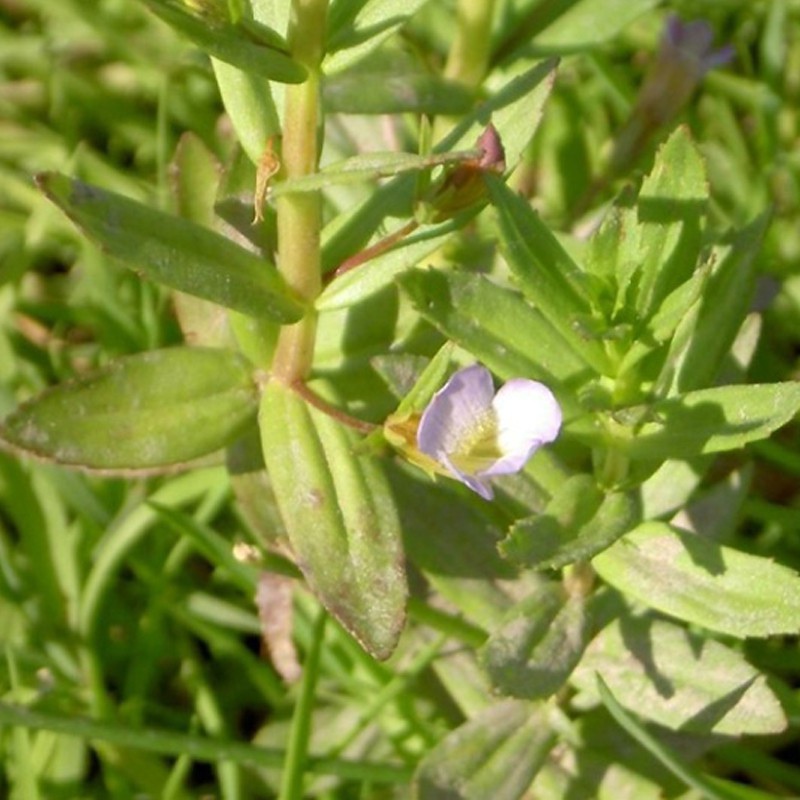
x=475, y=433
x=454, y=409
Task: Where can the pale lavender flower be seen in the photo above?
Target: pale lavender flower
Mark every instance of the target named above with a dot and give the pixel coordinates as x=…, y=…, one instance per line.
x=684, y=56
x=477, y=434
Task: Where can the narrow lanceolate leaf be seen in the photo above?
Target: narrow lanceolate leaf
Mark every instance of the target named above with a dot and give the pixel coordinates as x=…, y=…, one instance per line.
x=361, y=91
x=714, y=420
x=356, y=29
x=340, y=518
x=700, y=581
x=712, y=689
x=670, y=207
x=174, y=251
x=142, y=412
x=495, y=324
x=496, y=754
x=253, y=47
x=726, y=300
x=547, y=275
x=538, y=644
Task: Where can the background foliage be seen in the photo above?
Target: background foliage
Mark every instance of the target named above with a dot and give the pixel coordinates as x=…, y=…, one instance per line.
x=621, y=622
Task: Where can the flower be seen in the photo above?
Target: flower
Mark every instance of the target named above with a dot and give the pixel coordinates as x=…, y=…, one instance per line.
x=476, y=434
x=684, y=56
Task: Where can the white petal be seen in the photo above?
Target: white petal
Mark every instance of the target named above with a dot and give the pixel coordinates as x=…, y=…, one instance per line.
x=528, y=416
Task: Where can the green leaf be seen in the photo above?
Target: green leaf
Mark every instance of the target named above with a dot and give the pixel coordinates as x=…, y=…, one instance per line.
x=577, y=524
x=700, y=783
x=496, y=754
x=495, y=324
x=547, y=275
x=248, y=100
x=141, y=412
x=381, y=91
x=703, y=347
x=356, y=29
x=538, y=644
x=514, y=109
x=714, y=420
x=699, y=581
x=251, y=46
x=680, y=680
x=368, y=167
x=670, y=207
x=366, y=280
x=339, y=516
x=194, y=174
x=174, y=251
x=449, y=539
x=587, y=23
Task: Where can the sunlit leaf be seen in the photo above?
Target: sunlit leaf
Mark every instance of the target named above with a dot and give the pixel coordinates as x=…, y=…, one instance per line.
x=174, y=251
x=702, y=582
x=680, y=680
x=142, y=412
x=340, y=518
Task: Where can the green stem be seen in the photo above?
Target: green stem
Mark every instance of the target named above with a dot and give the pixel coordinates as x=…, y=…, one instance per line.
x=468, y=59
x=299, y=214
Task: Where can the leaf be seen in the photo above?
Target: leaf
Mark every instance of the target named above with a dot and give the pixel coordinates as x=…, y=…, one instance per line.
x=340, y=518
x=368, y=167
x=588, y=23
x=450, y=541
x=495, y=324
x=380, y=91
x=514, y=109
x=141, y=412
x=679, y=679
x=702, y=582
x=249, y=103
x=253, y=47
x=577, y=524
x=356, y=29
x=174, y=251
x=714, y=420
x=194, y=175
x=700, y=783
x=670, y=206
x=725, y=303
x=496, y=754
x=538, y=644
x=547, y=276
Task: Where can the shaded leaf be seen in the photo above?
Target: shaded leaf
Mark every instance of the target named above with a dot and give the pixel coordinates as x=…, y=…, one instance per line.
x=363, y=91
x=701, y=349
x=496, y=754
x=577, y=524
x=538, y=644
